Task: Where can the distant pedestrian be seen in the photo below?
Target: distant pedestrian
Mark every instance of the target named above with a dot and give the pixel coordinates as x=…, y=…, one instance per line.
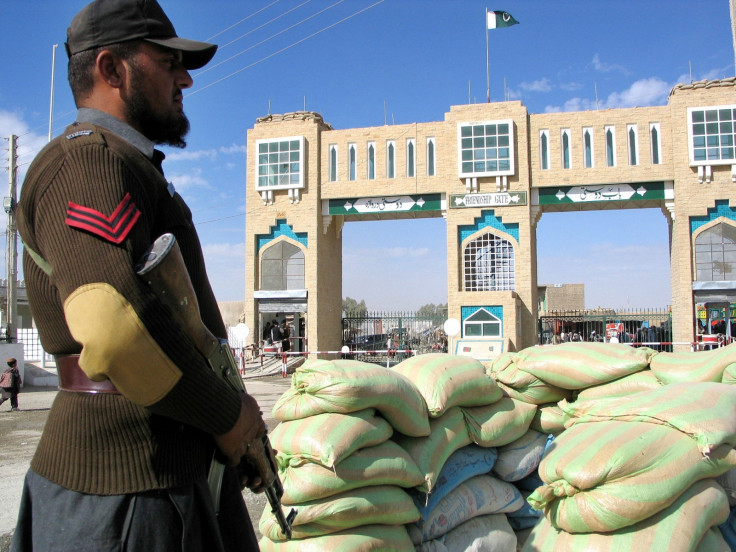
x=10, y=383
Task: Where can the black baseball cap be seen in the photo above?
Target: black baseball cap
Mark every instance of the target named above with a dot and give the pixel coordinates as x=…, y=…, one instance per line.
x=105, y=22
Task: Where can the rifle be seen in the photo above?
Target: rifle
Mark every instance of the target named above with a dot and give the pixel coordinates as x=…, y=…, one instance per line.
x=162, y=267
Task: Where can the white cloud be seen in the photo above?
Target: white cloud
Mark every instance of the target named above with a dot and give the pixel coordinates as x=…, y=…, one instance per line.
x=226, y=269
x=197, y=155
x=233, y=149
x=541, y=85
x=603, y=67
x=29, y=142
x=644, y=92
x=189, y=180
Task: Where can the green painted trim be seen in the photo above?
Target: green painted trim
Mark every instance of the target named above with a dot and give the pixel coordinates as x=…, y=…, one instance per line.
x=601, y=193
x=385, y=204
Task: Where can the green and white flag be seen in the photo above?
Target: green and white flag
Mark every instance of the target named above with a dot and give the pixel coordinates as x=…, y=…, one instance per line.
x=498, y=19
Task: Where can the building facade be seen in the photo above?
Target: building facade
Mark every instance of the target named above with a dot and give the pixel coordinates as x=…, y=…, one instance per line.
x=491, y=171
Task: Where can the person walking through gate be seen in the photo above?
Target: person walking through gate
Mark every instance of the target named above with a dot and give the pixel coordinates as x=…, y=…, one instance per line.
x=129, y=438
x=10, y=383
x=285, y=347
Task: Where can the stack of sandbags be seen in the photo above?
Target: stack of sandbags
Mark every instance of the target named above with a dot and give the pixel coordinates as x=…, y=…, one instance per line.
x=340, y=471
x=717, y=365
x=460, y=497
x=632, y=464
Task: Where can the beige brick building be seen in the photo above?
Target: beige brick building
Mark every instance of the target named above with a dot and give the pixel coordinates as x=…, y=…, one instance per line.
x=492, y=171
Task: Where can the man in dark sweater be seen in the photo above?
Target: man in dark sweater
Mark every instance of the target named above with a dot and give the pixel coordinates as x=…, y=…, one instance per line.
x=122, y=463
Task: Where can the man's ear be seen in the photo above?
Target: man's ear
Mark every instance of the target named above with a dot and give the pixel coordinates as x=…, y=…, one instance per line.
x=110, y=68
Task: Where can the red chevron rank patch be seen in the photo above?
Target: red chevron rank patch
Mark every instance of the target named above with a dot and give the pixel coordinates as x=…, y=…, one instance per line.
x=114, y=228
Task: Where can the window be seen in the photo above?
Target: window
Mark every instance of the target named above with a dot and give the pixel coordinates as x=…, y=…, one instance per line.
x=544, y=149
x=712, y=135
x=280, y=163
x=410, y=158
x=588, y=147
x=390, y=159
x=333, y=163
x=610, y=133
x=632, y=136
x=486, y=149
x=282, y=267
x=715, y=254
x=565, y=139
x=489, y=264
x=654, y=145
x=353, y=161
x=482, y=324
x=430, y=157
x=371, y=160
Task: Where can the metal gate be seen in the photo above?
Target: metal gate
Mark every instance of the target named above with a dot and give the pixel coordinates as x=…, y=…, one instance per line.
x=386, y=338
x=650, y=328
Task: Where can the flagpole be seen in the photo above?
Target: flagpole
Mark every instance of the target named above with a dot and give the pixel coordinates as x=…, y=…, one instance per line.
x=488, y=70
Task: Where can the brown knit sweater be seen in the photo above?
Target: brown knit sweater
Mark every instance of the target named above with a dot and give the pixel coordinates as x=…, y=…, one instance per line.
x=106, y=444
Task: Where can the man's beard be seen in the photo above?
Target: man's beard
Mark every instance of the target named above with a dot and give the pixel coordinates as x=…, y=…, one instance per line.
x=160, y=129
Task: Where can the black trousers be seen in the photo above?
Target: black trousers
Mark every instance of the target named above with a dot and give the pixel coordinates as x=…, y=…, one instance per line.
x=52, y=518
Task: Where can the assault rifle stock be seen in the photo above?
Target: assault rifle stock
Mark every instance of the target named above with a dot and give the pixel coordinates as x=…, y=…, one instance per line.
x=162, y=267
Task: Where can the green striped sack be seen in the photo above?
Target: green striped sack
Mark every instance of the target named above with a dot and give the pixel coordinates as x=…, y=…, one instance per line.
x=605, y=476
x=678, y=528
x=706, y=411
x=549, y=419
x=344, y=386
x=328, y=438
x=448, y=433
x=384, y=504
x=526, y=387
x=449, y=380
x=689, y=367
x=645, y=380
x=500, y=423
x=384, y=464
x=366, y=538
x=481, y=495
x=580, y=365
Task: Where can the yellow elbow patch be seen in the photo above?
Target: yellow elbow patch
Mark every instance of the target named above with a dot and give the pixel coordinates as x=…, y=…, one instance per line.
x=117, y=346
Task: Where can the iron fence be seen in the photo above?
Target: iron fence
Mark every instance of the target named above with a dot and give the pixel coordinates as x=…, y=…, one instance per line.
x=373, y=337
x=639, y=327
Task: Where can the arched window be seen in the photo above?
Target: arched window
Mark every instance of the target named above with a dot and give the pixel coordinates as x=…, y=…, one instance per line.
x=390, y=159
x=410, y=158
x=282, y=267
x=544, y=149
x=715, y=254
x=489, y=264
x=566, y=149
x=588, y=147
x=352, y=162
x=430, y=157
x=333, y=163
x=610, y=147
x=371, y=161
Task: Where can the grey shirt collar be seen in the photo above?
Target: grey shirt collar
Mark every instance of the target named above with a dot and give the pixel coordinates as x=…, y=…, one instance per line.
x=113, y=124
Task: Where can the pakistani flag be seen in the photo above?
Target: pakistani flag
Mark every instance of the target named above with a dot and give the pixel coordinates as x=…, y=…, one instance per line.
x=498, y=19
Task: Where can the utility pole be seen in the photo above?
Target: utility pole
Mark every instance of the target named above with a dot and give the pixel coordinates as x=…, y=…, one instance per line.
x=9, y=206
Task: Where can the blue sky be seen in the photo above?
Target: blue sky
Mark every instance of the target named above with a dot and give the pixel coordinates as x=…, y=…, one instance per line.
x=368, y=62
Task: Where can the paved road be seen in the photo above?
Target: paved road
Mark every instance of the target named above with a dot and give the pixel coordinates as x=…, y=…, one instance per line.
x=20, y=432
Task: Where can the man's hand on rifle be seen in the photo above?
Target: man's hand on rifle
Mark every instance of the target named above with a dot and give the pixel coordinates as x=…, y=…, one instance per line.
x=248, y=429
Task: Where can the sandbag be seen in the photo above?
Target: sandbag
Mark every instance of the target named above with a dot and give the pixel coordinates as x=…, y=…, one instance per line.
x=645, y=380
x=526, y=387
x=520, y=457
x=447, y=434
x=678, y=528
x=384, y=464
x=578, y=365
x=525, y=517
x=500, y=423
x=680, y=367
x=480, y=495
x=383, y=504
x=489, y=533
x=705, y=411
x=327, y=438
x=602, y=477
x=462, y=464
x=449, y=380
x=344, y=386
x=366, y=538
x=549, y=419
